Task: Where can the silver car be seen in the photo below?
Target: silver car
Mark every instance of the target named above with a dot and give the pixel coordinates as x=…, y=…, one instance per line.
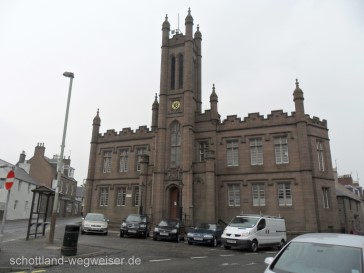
x=319, y=253
x=95, y=223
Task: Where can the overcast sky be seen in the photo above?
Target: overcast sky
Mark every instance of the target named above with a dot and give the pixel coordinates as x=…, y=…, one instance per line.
x=252, y=50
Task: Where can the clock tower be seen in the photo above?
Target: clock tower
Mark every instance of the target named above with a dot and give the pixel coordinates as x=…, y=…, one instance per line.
x=179, y=101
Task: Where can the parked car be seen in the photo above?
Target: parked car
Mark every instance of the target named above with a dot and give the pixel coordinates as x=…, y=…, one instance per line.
x=94, y=223
x=205, y=233
x=254, y=231
x=319, y=252
x=135, y=225
x=170, y=229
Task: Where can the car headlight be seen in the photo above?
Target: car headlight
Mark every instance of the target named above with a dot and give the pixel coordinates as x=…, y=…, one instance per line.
x=143, y=226
x=86, y=225
x=123, y=224
x=208, y=236
x=156, y=229
x=174, y=230
x=189, y=234
x=244, y=234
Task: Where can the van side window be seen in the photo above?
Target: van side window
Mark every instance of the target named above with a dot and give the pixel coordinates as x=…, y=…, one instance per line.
x=261, y=224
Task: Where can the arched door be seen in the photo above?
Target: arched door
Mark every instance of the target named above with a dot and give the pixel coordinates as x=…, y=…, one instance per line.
x=173, y=203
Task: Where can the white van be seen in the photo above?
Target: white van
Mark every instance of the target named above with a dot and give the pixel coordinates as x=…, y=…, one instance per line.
x=254, y=231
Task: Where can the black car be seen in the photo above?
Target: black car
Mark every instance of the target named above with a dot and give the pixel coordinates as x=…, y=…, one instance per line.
x=169, y=229
x=135, y=225
x=205, y=233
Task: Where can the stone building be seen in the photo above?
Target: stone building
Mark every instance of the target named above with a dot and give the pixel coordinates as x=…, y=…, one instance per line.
x=44, y=169
x=193, y=165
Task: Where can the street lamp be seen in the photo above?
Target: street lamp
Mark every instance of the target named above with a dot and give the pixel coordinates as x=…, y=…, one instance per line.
x=60, y=162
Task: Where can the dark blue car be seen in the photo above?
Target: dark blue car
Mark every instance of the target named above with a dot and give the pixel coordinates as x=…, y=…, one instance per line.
x=205, y=233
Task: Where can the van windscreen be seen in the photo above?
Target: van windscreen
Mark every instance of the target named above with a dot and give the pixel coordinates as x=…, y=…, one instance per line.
x=246, y=222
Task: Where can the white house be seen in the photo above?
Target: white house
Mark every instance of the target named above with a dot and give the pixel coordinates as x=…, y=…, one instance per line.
x=21, y=194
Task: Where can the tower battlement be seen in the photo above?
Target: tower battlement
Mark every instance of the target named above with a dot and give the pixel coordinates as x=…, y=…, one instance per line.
x=126, y=134
x=276, y=117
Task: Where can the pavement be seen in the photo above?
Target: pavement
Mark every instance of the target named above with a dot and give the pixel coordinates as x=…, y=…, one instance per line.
x=26, y=255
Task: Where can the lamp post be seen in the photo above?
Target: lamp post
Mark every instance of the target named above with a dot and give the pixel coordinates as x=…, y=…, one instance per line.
x=60, y=162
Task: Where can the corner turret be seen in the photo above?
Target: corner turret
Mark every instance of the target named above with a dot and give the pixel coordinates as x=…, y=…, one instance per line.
x=189, y=24
x=96, y=127
x=155, y=109
x=165, y=29
x=213, y=104
x=298, y=100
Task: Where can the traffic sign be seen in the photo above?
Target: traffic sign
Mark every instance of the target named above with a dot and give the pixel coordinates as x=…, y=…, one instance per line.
x=9, y=180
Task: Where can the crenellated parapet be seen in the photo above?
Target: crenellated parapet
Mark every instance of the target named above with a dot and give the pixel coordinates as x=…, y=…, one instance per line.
x=316, y=121
x=206, y=116
x=276, y=117
x=126, y=134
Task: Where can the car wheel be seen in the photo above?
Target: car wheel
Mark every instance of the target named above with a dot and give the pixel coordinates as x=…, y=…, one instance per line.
x=106, y=233
x=178, y=238
x=227, y=247
x=214, y=242
x=254, y=246
x=121, y=234
x=82, y=232
x=154, y=238
x=189, y=242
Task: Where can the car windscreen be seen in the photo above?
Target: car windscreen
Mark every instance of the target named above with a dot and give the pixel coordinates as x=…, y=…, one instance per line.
x=316, y=257
x=134, y=218
x=168, y=223
x=95, y=217
x=246, y=222
x=206, y=226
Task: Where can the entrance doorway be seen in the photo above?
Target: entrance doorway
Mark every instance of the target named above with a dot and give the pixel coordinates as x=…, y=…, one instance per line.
x=174, y=204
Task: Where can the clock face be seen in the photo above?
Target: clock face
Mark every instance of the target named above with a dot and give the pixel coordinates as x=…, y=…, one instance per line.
x=176, y=105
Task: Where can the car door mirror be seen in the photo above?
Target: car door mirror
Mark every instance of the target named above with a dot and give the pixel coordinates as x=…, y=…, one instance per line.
x=268, y=260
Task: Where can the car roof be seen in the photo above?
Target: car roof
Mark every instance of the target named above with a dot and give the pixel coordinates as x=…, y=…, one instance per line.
x=332, y=239
x=93, y=213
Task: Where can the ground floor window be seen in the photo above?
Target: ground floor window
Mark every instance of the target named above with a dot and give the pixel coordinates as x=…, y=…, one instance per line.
x=234, y=195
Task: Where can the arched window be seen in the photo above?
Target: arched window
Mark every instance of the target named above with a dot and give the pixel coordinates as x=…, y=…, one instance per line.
x=180, y=71
x=175, y=145
x=173, y=72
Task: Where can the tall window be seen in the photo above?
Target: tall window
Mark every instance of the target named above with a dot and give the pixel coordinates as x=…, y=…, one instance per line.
x=140, y=153
x=234, y=195
x=107, y=162
x=173, y=72
x=175, y=145
x=284, y=194
x=258, y=195
x=180, y=71
x=281, y=150
x=320, y=154
x=232, y=153
x=203, y=149
x=256, y=151
x=325, y=197
x=121, y=197
x=104, y=197
x=136, y=196
x=123, y=161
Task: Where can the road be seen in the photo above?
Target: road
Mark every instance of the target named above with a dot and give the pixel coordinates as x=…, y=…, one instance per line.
x=145, y=255
x=115, y=254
